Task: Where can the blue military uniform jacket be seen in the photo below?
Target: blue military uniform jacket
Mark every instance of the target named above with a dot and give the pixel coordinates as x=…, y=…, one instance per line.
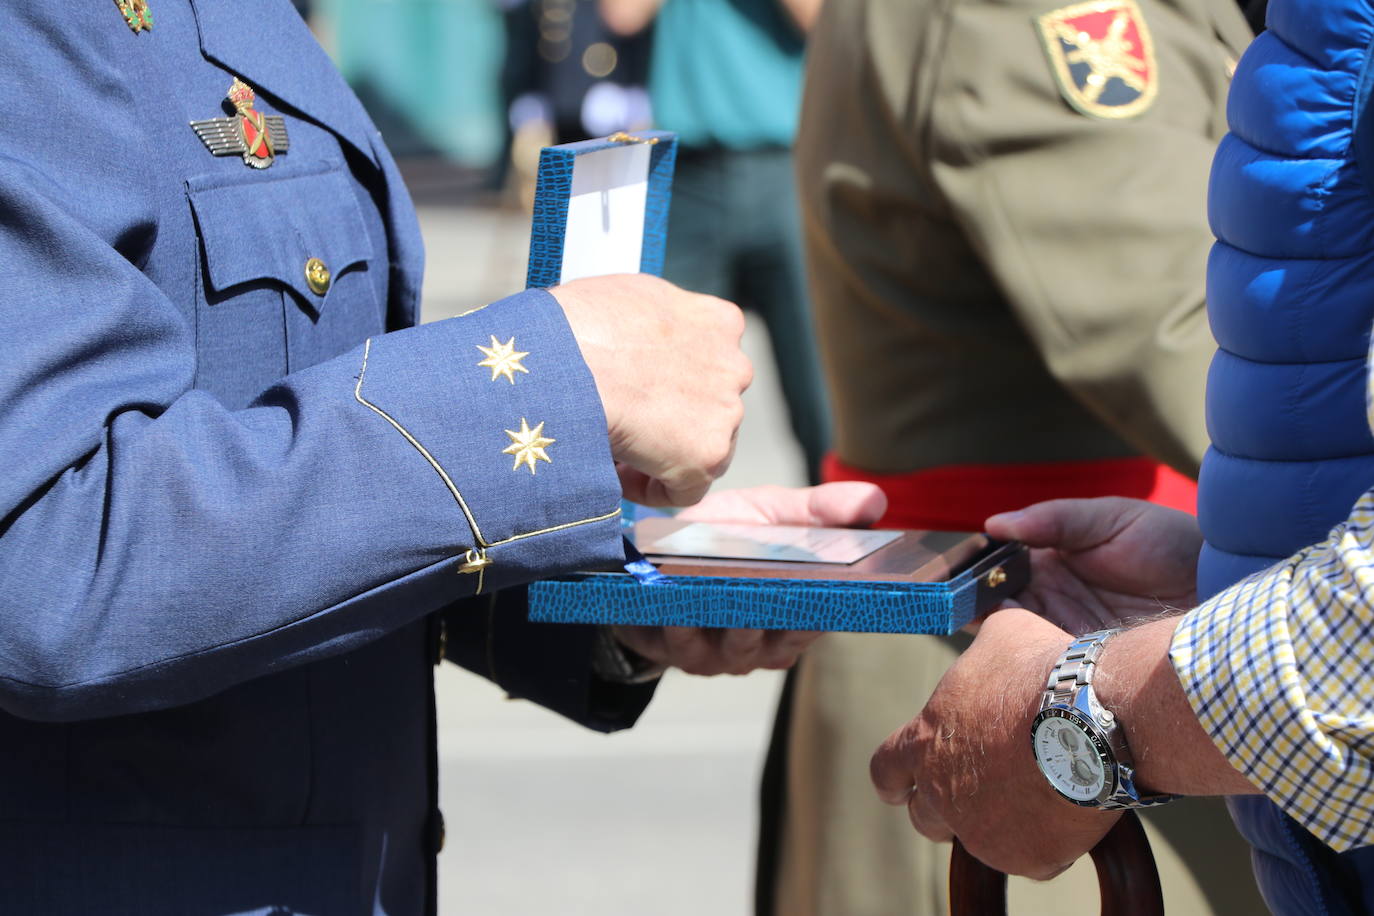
x=238, y=496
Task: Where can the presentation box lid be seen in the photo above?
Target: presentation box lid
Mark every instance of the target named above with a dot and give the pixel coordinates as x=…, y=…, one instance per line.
x=601, y=207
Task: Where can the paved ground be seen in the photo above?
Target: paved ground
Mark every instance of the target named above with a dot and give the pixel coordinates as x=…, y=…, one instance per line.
x=547, y=818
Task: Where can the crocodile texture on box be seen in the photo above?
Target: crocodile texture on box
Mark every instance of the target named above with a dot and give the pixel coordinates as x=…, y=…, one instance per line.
x=786, y=604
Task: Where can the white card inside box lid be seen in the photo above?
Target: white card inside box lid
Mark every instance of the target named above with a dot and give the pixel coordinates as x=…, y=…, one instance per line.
x=605, y=228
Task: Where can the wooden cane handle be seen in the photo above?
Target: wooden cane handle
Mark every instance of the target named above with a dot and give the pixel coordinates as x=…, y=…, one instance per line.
x=1126, y=877
x=975, y=889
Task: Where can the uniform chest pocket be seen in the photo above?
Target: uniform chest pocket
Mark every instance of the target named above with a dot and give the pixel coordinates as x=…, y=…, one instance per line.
x=284, y=277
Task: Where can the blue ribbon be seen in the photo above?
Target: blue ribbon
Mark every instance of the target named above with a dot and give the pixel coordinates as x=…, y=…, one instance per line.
x=645, y=573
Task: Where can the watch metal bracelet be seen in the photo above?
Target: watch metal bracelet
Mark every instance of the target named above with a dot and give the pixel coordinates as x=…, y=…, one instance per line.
x=1074, y=673
x=1077, y=666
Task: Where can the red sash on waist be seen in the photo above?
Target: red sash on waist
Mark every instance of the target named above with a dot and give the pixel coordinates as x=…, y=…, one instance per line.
x=961, y=497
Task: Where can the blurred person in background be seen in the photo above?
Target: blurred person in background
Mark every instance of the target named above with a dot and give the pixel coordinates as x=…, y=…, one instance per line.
x=1263, y=687
x=1004, y=208
x=726, y=75
x=566, y=76
x=588, y=79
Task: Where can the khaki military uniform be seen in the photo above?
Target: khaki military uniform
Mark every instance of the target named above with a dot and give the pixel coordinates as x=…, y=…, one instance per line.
x=1000, y=277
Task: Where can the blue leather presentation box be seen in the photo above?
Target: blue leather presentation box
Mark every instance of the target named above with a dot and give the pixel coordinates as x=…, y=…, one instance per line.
x=601, y=207
x=996, y=573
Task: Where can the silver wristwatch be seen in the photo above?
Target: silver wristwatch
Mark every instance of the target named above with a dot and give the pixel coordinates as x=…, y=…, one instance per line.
x=1077, y=742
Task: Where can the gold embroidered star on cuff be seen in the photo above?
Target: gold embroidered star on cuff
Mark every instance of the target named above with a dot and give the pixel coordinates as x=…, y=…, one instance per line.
x=503, y=359
x=527, y=445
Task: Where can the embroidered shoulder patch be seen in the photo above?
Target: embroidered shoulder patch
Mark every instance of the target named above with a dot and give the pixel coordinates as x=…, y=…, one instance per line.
x=1102, y=56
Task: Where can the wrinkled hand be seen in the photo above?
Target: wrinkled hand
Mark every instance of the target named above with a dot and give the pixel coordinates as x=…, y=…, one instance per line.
x=1099, y=561
x=670, y=374
x=964, y=766
x=700, y=650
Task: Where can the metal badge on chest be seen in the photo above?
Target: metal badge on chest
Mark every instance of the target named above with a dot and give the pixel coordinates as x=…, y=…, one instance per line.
x=257, y=137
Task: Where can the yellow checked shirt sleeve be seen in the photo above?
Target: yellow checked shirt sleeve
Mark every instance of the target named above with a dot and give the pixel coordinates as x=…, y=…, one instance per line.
x=1280, y=671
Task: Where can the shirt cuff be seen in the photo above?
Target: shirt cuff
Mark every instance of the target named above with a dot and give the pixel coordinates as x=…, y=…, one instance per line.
x=1262, y=691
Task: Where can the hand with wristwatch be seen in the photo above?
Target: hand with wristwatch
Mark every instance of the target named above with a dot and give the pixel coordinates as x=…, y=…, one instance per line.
x=962, y=766
x=1077, y=742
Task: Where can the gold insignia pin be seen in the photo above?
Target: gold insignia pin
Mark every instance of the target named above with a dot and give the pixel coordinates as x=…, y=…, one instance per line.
x=257, y=137
x=503, y=359
x=528, y=445
x=136, y=14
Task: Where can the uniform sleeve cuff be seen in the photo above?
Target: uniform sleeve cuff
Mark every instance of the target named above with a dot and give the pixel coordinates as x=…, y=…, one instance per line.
x=517, y=436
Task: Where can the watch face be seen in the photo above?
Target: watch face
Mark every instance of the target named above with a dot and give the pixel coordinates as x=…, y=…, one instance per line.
x=1072, y=756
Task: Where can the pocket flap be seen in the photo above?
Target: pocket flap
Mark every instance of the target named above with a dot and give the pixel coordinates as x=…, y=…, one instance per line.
x=259, y=230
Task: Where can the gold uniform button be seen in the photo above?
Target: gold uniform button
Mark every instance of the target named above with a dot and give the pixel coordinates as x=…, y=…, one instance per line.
x=317, y=276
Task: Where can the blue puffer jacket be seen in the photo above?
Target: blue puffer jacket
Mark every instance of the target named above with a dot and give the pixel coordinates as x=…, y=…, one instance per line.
x=1291, y=299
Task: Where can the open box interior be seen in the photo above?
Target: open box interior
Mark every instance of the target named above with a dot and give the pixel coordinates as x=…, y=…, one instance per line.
x=604, y=232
